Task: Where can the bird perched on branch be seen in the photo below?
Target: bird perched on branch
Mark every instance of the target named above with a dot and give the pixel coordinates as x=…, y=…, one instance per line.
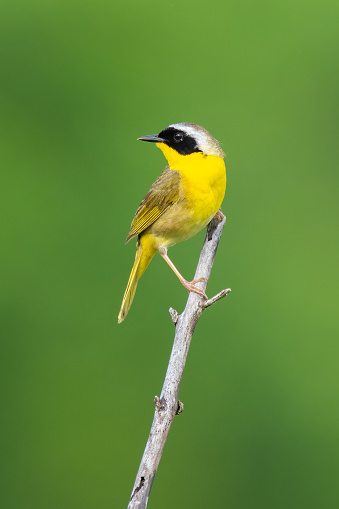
x=180, y=203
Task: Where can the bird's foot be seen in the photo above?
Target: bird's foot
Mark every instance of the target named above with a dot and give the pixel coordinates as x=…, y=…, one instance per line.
x=190, y=285
x=199, y=279
x=219, y=215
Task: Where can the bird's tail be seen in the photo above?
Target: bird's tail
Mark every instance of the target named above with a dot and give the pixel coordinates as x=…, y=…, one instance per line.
x=144, y=254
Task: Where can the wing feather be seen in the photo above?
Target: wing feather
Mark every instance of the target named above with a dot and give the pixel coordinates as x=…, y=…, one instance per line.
x=163, y=194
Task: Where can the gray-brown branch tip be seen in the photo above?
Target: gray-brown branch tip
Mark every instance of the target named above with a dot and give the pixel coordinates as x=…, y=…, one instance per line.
x=217, y=297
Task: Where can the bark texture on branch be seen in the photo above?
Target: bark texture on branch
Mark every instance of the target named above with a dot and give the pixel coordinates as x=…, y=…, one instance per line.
x=168, y=405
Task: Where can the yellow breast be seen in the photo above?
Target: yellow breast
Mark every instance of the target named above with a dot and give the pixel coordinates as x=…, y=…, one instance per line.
x=202, y=189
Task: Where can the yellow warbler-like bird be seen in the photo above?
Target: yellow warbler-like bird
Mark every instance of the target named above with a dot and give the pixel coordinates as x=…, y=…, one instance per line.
x=180, y=203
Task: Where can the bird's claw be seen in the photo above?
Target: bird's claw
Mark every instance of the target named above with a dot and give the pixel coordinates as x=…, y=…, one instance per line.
x=219, y=215
x=190, y=285
x=199, y=279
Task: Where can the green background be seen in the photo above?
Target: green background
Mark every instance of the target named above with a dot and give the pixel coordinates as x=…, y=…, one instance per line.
x=80, y=81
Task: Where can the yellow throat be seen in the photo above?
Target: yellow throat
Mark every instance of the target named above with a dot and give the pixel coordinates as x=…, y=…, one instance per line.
x=203, y=176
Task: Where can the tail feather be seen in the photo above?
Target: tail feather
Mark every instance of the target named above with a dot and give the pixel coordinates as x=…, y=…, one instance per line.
x=142, y=258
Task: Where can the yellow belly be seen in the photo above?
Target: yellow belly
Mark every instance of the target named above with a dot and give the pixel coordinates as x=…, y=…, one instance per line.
x=202, y=189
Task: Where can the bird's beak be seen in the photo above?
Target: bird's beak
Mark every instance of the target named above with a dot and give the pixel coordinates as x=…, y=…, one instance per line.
x=151, y=137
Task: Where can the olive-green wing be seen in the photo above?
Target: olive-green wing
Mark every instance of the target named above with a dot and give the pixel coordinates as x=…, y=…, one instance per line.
x=163, y=193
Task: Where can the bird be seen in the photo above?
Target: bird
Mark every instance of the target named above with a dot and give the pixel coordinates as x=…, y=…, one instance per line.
x=180, y=203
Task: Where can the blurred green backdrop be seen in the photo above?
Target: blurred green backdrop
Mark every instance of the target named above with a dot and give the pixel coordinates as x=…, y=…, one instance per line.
x=80, y=81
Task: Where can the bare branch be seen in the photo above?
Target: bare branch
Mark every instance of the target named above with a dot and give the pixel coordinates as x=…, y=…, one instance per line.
x=168, y=405
x=217, y=297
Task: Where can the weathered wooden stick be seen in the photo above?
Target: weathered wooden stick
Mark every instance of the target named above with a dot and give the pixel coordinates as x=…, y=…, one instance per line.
x=168, y=405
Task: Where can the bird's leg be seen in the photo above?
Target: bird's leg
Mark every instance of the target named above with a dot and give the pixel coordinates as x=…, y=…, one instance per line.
x=190, y=285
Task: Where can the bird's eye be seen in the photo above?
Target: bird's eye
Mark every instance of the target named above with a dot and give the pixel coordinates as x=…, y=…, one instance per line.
x=178, y=137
